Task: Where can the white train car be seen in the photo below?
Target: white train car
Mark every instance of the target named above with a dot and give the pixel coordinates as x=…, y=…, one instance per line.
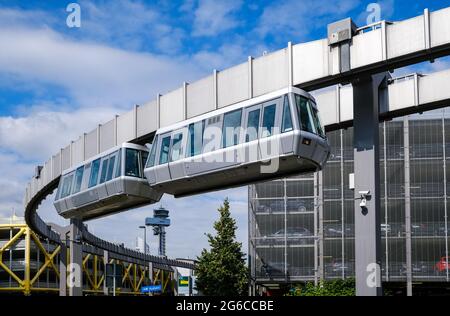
x=107, y=183
x=267, y=137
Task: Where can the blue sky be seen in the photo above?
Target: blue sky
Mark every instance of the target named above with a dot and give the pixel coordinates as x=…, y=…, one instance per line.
x=58, y=82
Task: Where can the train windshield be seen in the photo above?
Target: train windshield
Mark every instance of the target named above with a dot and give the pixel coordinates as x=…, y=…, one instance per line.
x=308, y=116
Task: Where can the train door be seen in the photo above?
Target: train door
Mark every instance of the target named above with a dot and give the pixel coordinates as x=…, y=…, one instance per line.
x=269, y=134
x=151, y=162
x=251, y=123
x=162, y=172
x=287, y=126
x=177, y=153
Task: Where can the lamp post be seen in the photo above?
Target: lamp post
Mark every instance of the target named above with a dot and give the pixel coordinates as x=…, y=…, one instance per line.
x=145, y=238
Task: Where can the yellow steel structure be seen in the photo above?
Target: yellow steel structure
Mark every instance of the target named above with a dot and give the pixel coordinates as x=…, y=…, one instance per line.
x=134, y=275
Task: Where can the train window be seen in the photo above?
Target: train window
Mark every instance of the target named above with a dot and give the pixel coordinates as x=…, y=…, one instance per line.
x=112, y=160
x=78, y=179
x=67, y=185
x=104, y=169
x=286, y=125
x=132, y=163
x=151, y=157
x=304, y=114
x=195, y=139
x=268, y=120
x=316, y=119
x=252, y=125
x=164, y=154
x=94, y=173
x=58, y=192
x=177, y=150
x=119, y=164
x=231, y=128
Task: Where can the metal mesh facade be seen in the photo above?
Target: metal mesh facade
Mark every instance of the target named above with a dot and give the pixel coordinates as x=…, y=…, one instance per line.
x=302, y=228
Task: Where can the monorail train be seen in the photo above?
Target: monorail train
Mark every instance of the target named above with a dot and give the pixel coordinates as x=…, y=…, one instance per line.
x=267, y=137
x=107, y=183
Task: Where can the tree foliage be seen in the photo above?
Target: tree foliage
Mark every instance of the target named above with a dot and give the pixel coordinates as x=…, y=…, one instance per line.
x=222, y=271
x=339, y=287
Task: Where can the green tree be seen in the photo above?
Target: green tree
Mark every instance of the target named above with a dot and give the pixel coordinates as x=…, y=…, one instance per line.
x=338, y=287
x=222, y=271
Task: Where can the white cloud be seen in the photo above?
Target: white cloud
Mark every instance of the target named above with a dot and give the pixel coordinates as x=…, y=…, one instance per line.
x=214, y=17
x=387, y=11
x=14, y=174
x=92, y=74
x=40, y=134
x=130, y=25
x=297, y=19
x=96, y=81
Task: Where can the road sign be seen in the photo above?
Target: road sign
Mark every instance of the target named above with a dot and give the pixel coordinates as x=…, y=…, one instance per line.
x=183, y=281
x=151, y=288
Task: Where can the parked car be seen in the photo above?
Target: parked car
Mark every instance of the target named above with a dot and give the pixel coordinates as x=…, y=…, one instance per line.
x=422, y=229
x=299, y=205
x=335, y=230
x=443, y=264
x=442, y=230
x=274, y=269
x=418, y=268
x=385, y=229
x=294, y=235
x=336, y=267
x=266, y=206
x=392, y=229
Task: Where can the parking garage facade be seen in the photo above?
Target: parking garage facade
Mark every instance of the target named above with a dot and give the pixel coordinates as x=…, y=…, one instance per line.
x=302, y=228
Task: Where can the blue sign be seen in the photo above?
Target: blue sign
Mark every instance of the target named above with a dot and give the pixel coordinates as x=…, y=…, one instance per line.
x=151, y=288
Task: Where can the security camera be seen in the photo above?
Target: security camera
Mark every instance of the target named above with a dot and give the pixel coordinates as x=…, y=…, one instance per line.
x=363, y=203
x=364, y=193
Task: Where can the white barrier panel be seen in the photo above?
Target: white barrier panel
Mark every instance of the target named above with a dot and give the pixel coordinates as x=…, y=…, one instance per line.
x=434, y=87
x=200, y=97
x=91, y=140
x=233, y=85
x=126, y=127
x=310, y=61
x=405, y=37
x=56, y=165
x=108, y=135
x=147, y=118
x=346, y=103
x=401, y=94
x=270, y=72
x=171, y=107
x=440, y=27
x=47, y=171
x=65, y=158
x=328, y=107
x=78, y=151
x=366, y=48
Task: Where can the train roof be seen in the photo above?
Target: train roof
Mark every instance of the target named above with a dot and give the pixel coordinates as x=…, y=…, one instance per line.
x=103, y=154
x=242, y=104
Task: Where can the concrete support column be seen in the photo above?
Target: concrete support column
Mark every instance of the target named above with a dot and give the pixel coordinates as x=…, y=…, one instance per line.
x=76, y=258
x=106, y=261
x=63, y=268
x=320, y=210
x=27, y=273
x=367, y=179
x=407, y=207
